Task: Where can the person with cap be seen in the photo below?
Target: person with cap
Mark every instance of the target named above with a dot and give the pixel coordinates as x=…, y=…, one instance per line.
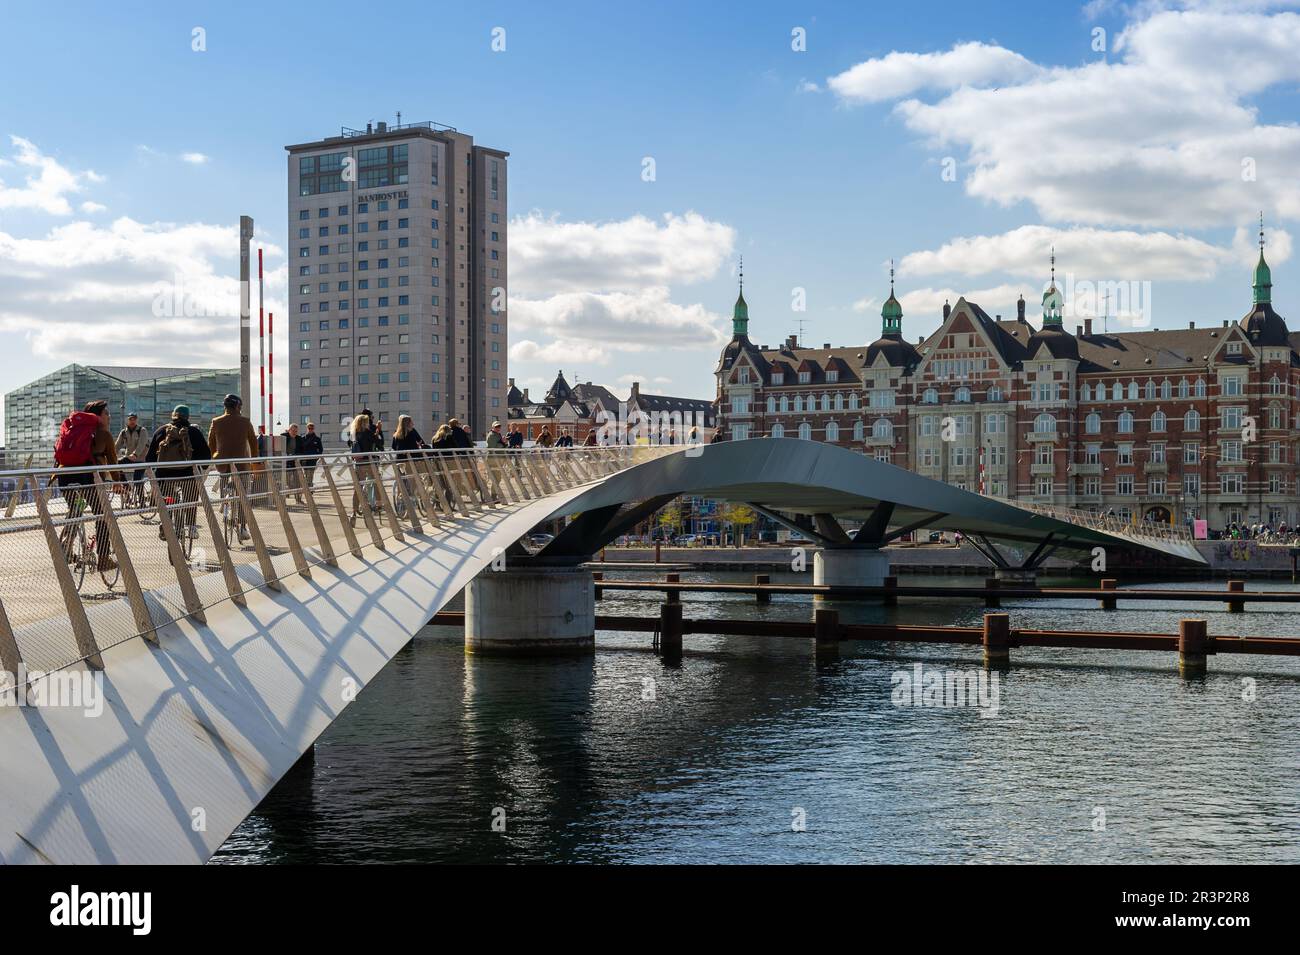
x=494, y=439
x=172, y=447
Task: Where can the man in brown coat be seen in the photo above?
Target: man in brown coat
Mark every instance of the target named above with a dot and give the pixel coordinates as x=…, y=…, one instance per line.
x=230, y=436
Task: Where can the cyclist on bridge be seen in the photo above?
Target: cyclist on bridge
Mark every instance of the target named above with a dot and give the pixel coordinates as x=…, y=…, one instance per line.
x=231, y=436
x=174, y=445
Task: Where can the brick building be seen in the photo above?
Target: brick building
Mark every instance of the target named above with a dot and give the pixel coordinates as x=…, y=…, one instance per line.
x=585, y=407
x=1160, y=425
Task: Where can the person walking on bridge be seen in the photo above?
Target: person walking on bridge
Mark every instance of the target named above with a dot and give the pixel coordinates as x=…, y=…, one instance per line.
x=231, y=437
x=132, y=443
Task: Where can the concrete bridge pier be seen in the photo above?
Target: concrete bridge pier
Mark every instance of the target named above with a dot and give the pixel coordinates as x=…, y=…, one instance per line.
x=531, y=610
x=1028, y=576
x=850, y=567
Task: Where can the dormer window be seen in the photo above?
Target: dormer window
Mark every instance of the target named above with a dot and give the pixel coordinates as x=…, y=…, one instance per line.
x=832, y=375
x=742, y=375
x=1234, y=348
x=805, y=377
x=962, y=394
x=778, y=378
x=931, y=396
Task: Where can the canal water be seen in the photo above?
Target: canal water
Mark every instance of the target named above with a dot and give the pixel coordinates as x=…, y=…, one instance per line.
x=752, y=750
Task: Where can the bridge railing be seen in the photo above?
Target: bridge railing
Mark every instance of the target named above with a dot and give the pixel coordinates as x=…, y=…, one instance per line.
x=166, y=542
x=1145, y=531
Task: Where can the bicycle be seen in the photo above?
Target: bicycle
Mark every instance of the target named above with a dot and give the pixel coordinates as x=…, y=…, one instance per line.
x=230, y=512
x=185, y=529
x=371, y=495
x=399, y=499
x=81, y=550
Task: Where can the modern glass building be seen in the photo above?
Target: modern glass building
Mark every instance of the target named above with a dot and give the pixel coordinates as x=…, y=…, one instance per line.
x=34, y=411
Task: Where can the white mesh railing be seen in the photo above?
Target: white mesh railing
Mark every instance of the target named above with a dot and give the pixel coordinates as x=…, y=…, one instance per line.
x=1110, y=524
x=168, y=543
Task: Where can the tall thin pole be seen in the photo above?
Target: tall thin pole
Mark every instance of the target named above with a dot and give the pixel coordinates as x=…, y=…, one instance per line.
x=245, y=316
x=270, y=373
x=261, y=343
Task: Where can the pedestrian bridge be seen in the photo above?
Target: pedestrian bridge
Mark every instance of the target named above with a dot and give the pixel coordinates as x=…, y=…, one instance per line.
x=151, y=703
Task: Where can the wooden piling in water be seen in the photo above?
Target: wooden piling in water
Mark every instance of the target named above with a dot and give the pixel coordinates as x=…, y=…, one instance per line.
x=997, y=640
x=1193, y=644
x=762, y=596
x=1108, y=603
x=826, y=632
x=670, y=629
x=1236, y=587
x=992, y=600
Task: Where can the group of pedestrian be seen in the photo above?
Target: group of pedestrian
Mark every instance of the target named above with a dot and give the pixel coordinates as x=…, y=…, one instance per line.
x=86, y=441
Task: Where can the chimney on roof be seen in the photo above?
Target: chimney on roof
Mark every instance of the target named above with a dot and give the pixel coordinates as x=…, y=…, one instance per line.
x=1078, y=331
x=1191, y=325
x=826, y=344
x=1225, y=323
x=370, y=128
x=946, y=310
x=526, y=398
x=792, y=342
x=1020, y=309
x=383, y=127
x=1087, y=327
x=512, y=382
x=636, y=391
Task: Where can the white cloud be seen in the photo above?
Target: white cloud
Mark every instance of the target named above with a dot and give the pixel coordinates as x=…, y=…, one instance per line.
x=593, y=326
x=47, y=183
x=868, y=304
x=1097, y=253
x=129, y=293
x=196, y=159
x=92, y=207
x=549, y=256
x=923, y=307
x=1164, y=135
x=901, y=74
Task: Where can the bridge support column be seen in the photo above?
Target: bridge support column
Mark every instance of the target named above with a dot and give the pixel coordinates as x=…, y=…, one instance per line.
x=531, y=611
x=1017, y=575
x=850, y=567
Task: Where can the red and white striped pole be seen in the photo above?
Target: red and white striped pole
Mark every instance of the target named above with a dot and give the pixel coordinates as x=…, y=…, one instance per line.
x=270, y=373
x=261, y=343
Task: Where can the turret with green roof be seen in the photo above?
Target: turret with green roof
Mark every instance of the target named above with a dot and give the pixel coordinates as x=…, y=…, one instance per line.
x=740, y=313
x=891, y=315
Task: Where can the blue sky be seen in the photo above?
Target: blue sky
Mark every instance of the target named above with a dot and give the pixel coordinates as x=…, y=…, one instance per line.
x=818, y=165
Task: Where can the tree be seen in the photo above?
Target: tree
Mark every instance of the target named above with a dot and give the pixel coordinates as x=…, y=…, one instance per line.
x=739, y=517
x=670, y=519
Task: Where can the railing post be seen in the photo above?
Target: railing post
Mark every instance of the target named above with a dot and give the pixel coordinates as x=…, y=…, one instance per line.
x=290, y=534
x=71, y=599
x=406, y=494
x=233, y=586
x=386, y=505
x=134, y=595
x=449, y=487
x=11, y=658
x=22, y=483
x=254, y=531
x=180, y=564
x=353, y=544
x=322, y=536
x=488, y=468
x=532, y=492
x=430, y=467
x=362, y=503
x=412, y=472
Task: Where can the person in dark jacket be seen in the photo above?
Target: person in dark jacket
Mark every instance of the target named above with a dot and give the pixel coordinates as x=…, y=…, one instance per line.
x=406, y=438
x=311, y=449
x=178, y=441
x=515, y=439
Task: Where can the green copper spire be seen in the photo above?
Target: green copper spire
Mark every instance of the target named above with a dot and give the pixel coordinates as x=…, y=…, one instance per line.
x=891, y=315
x=740, y=314
x=1052, y=301
x=1263, y=284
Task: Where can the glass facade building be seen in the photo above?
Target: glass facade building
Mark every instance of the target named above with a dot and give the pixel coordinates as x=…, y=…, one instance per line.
x=34, y=411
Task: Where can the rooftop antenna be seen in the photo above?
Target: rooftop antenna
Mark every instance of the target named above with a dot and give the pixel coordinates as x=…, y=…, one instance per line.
x=1261, y=231
x=741, y=272
x=399, y=117
x=891, y=276
x=1053, y=266
x=1105, y=314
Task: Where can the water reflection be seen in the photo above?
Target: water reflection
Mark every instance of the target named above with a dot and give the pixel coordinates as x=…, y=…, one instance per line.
x=620, y=758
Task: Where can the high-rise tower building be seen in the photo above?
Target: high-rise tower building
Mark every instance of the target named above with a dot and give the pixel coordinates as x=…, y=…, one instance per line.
x=397, y=279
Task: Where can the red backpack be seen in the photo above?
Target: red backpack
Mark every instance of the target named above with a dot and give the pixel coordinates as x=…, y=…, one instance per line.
x=76, y=435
